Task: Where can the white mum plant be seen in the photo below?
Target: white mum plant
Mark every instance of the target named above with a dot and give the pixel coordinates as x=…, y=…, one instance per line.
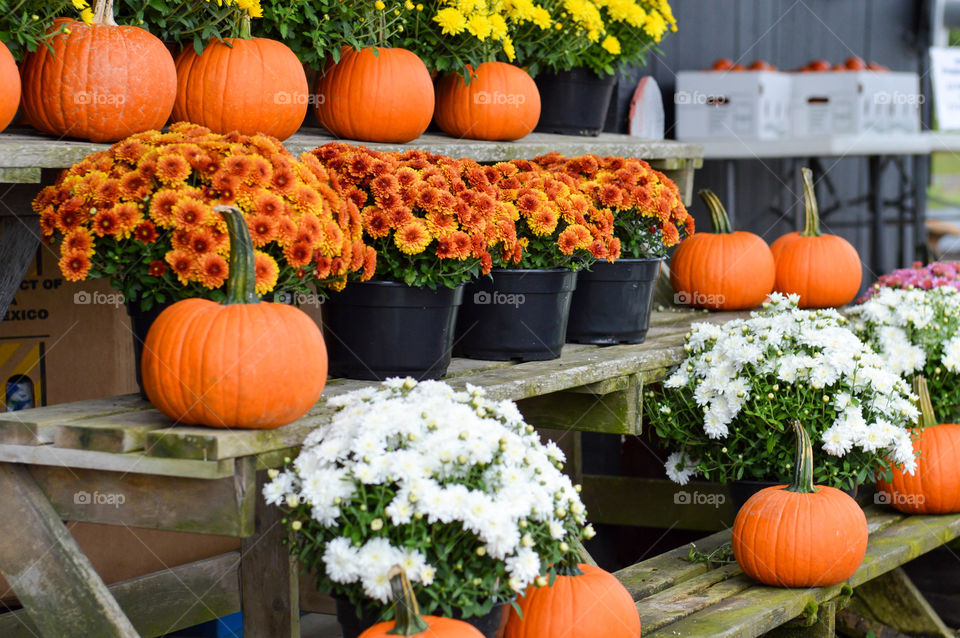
x=917, y=331
x=726, y=409
x=454, y=487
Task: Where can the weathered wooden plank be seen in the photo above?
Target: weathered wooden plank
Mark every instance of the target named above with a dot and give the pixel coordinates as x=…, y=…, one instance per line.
x=656, y=574
x=19, y=239
x=221, y=506
x=613, y=413
x=166, y=601
x=691, y=596
x=38, y=425
x=269, y=578
x=311, y=599
x=822, y=624
x=125, y=432
x=106, y=461
x=37, y=551
x=895, y=601
x=646, y=502
x=607, y=386
x=19, y=175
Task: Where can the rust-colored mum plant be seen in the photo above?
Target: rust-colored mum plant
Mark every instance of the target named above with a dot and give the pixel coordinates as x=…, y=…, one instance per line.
x=648, y=213
x=425, y=222
x=141, y=214
x=557, y=225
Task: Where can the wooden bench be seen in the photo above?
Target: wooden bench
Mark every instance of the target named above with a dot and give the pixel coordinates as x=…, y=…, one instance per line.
x=207, y=480
x=679, y=597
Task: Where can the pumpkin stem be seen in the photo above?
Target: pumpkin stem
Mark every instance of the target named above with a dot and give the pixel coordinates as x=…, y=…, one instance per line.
x=242, y=280
x=245, y=27
x=927, y=418
x=803, y=469
x=718, y=214
x=103, y=13
x=811, y=225
x=405, y=608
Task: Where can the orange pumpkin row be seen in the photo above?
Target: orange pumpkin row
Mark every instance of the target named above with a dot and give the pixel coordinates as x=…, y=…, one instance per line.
x=727, y=270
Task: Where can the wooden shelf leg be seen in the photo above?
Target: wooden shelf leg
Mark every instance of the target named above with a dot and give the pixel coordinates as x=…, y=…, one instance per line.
x=823, y=627
x=269, y=583
x=893, y=602
x=62, y=593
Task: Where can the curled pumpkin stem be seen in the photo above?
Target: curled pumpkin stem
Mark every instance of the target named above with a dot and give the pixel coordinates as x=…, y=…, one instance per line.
x=803, y=470
x=405, y=607
x=718, y=214
x=811, y=226
x=103, y=13
x=242, y=280
x=927, y=417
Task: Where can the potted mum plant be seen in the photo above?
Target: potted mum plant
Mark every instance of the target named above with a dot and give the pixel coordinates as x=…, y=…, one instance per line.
x=453, y=487
x=575, y=64
x=917, y=331
x=427, y=231
x=725, y=411
x=613, y=300
x=933, y=275
x=521, y=312
x=141, y=215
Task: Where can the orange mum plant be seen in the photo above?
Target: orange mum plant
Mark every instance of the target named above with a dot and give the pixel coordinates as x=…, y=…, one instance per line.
x=556, y=223
x=428, y=220
x=141, y=214
x=648, y=212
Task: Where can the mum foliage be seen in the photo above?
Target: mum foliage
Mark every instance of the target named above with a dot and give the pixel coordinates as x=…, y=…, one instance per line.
x=452, y=486
x=726, y=409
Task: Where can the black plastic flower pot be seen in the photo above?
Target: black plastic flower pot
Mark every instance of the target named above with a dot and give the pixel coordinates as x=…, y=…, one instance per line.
x=574, y=102
x=380, y=329
x=612, y=302
x=515, y=315
x=140, y=322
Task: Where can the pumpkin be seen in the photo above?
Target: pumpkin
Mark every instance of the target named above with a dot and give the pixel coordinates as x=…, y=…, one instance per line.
x=250, y=85
x=800, y=535
x=10, y=81
x=823, y=269
x=407, y=619
x=381, y=95
x=100, y=82
x=589, y=604
x=934, y=488
x=501, y=102
x=240, y=364
x=722, y=270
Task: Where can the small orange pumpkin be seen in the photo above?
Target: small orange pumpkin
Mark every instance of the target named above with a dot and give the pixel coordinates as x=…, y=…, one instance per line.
x=10, y=81
x=501, y=102
x=934, y=488
x=823, y=269
x=590, y=604
x=240, y=364
x=250, y=85
x=99, y=82
x=722, y=270
x=408, y=621
x=376, y=95
x=800, y=535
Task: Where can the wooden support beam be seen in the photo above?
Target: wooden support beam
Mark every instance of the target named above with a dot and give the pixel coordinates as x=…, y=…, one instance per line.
x=820, y=623
x=164, y=601
x=62, y=593
x=893, y=600
x=269, y=577
x=608, y=411
x=19, y=239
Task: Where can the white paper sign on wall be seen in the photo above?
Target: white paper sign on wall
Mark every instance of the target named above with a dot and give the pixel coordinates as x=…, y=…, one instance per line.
x=945, y=71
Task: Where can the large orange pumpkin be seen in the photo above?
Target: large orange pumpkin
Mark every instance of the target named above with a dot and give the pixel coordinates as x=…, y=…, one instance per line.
x=722, y=270
x=501, y=102
x=250, y=85
x=934, y=488
x=240, y=364
x=800, y=535
x=10, y=81
x=823, y=269
x=384, y=95
x=408, y=621
x=100, y=82
x=588, y=605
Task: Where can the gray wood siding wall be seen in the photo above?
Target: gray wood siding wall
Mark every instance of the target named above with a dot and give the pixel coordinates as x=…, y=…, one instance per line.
x=786, y=33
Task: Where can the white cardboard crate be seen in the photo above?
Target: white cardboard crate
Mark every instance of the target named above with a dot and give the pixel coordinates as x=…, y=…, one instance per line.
x=842, y=102
x=744, y=104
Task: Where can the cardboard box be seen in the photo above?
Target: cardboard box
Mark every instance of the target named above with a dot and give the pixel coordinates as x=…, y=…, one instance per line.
x=855, y=102
x=745, y=104
x=71, y=340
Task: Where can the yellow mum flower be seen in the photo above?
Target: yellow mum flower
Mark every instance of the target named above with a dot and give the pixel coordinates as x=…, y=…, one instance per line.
x=379, y=5
x=87, y=15
x=498, y=27
x=655, y=26
x=611, y=45
x=79, y=4
x=409, y=5
x=451, y=21
x=508, y=49
x=479, y=26
x=541, y=17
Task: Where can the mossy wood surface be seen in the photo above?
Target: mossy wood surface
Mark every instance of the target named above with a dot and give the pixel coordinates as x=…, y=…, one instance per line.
x=676, y=597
